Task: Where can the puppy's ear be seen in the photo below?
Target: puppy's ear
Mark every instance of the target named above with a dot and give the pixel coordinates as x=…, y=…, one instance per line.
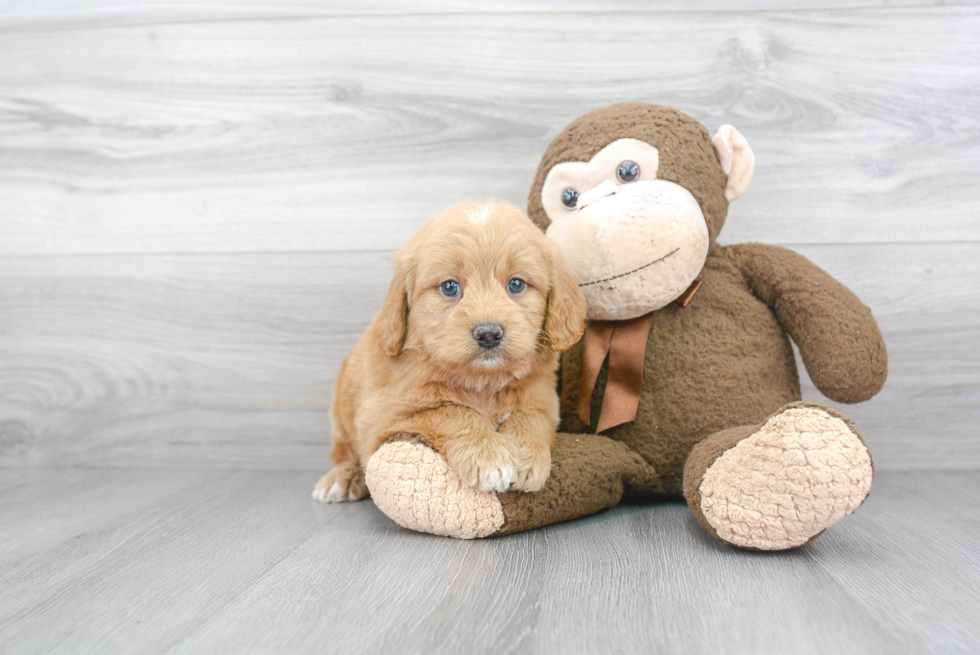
x=392, y=321
x=564, y=321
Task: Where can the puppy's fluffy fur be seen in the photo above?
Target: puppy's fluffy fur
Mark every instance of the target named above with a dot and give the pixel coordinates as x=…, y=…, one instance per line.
x=419, y=369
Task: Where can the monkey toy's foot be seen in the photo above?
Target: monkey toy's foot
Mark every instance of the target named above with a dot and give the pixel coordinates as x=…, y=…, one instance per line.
x=779, y=485
x=415, y=486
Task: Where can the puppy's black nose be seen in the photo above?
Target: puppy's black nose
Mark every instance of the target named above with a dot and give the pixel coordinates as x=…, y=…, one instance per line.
x=488, y=335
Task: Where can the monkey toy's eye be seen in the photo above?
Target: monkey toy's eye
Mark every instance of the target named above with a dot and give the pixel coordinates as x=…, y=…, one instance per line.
x=449, y=288
x=628, y=171
x=516, y=285
x=569, y=198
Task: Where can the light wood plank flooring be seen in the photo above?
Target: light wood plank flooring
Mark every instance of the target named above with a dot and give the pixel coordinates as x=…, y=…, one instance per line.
x=203, y=561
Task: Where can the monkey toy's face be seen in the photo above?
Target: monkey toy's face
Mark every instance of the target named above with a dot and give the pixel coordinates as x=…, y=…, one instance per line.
x=634, y=243
x=622, y=209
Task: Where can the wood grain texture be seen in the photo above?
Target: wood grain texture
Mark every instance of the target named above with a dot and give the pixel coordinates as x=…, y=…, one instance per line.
x=200, y=200
x=235, y=561
x=878, y=567
x=178, y=359
x=345, y=133
x=928, y=414
x=41, y=506
x=59, y=14
x=228, y=360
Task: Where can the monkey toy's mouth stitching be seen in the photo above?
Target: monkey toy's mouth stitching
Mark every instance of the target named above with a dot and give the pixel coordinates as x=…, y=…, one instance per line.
x=635, y=270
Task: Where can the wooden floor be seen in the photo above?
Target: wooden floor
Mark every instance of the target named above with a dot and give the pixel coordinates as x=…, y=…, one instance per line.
x=204, y=561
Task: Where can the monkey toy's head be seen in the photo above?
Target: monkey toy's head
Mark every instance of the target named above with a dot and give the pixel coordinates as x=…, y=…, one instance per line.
x=634, y=194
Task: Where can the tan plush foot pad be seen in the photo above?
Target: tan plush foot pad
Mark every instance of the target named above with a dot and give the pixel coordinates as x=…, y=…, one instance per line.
x=800, y=473
x=415, y=487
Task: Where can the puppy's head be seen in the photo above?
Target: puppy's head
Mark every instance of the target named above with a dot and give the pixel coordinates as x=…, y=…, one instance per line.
x=480, y=290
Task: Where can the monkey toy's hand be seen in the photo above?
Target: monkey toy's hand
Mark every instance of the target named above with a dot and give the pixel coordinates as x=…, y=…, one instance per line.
x=839, y=340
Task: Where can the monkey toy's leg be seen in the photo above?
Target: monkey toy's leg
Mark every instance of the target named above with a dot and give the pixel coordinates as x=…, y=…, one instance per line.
x=778, y=485
x=414, y=485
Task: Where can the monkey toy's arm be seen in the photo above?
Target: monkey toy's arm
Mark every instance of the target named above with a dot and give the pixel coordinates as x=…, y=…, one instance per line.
x=839, y=340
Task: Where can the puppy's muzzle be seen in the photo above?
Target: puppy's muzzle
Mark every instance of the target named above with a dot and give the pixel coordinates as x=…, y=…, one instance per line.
x=488, y=335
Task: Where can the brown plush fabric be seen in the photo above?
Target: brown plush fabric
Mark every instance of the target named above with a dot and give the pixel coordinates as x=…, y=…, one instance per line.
x=840, y=343
x=686, y=154
x=725, y=360
x=722, y=361
x=588, y=474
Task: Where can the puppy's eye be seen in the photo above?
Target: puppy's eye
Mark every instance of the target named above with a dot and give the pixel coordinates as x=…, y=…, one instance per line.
x=569, y=198
x=449, y=288
x=628, y=171
x=516, y=285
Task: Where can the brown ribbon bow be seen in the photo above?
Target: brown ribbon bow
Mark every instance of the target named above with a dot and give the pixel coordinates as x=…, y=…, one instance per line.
x=626, y=344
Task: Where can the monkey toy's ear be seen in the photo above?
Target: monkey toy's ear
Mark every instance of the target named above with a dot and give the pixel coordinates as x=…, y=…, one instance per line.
x=737, y=160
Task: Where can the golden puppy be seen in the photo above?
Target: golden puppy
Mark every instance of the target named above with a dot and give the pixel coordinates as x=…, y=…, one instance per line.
x=463, y=353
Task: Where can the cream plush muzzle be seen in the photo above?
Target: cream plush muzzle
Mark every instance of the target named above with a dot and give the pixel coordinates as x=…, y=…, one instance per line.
x=633, y=251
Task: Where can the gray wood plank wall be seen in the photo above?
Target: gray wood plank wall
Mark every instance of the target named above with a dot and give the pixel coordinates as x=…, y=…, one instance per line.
x=198, y=203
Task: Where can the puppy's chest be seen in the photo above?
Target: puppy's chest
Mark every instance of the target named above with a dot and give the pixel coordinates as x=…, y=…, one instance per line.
x=495, y=407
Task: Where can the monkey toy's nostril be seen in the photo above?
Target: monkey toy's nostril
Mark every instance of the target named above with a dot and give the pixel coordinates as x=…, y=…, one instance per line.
x=488, y=335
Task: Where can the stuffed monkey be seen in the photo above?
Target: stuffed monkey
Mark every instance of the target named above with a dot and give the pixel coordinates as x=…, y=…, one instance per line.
x=685, y=383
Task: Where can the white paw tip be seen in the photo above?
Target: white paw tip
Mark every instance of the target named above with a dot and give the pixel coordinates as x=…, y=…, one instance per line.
x=335, y=494
x=498, y=479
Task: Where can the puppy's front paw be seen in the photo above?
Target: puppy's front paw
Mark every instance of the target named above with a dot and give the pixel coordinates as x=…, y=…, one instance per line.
x=498, y=479
x=488, y=466
x=344, y=482
x=534, y=470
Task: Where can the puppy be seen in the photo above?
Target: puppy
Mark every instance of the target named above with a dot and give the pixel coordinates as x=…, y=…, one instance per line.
x=463, y=353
